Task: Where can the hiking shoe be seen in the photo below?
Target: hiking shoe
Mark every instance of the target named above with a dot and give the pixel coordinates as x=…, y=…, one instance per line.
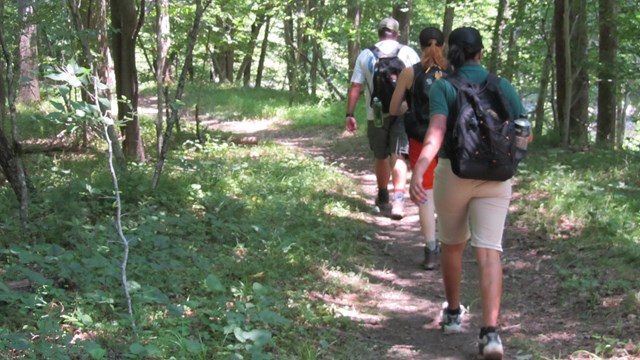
x=382, y=200
x=490, y=346
x=397, y=205
x=431, y=258
x=451, y=323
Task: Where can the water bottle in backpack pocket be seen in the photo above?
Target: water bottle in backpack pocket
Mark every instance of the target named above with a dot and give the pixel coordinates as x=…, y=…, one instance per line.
x=378, y=116
x=523, y=129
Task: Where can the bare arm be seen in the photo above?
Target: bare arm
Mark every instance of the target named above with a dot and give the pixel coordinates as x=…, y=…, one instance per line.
x=352, y=99
x=432, y=142
x=405, y=81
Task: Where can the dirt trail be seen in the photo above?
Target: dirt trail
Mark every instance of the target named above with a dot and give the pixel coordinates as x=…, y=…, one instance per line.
x=398, y=303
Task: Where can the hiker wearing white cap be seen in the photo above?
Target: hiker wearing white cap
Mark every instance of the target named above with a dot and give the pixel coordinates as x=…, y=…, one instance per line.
x=387, y=137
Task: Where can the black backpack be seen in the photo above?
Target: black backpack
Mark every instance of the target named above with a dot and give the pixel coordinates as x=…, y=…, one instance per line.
x=416, y=120
x=481, y=132
x=385, y=74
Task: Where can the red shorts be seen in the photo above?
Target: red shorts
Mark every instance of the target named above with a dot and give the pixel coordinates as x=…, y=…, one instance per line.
x=414, y=151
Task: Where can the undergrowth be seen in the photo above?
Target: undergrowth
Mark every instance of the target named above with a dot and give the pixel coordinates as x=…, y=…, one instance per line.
x=223, y=257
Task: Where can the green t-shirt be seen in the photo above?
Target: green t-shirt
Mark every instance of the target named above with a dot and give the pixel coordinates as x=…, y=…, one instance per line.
x=443, y=95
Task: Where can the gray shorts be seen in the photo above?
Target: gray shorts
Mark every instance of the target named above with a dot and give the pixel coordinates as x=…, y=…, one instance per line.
x=389, y=139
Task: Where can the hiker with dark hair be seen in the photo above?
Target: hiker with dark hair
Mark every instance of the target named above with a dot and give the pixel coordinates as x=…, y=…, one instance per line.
x=387, y=136
x=468, y=209
x=413, y=86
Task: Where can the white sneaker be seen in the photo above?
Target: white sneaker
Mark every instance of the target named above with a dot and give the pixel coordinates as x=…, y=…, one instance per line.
x=490, y=346
x=451, y=324
x=397, y=205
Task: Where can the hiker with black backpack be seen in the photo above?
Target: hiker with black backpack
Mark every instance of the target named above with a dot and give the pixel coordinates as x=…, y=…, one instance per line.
x=470, y=109
x=376, y=72
x=413, y=86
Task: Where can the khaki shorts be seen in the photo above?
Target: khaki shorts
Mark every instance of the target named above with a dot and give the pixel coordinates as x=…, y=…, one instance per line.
x=390, y=139
x=470, y=209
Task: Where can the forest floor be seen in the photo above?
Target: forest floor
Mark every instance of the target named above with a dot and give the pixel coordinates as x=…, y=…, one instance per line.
x=397, y=304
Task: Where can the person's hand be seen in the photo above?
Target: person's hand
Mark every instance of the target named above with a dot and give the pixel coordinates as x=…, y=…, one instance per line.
x=416, y=191
x=350, y=124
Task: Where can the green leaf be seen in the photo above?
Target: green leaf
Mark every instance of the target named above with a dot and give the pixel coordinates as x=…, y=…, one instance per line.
x=133, y=286
x=36, y=277
x=105, y=102
x=257, y=336
x=94, y=350
x=20, y=343
x=177, y=105
x=193, y=347
x=56, y=77
x=213, y=283
x=106, y=120
x=138, y=349
x=59, y=106
x=272, y=318
x=175, y=310
x=86, y=319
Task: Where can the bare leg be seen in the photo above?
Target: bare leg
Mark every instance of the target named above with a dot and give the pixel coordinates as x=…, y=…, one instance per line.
x=426, y=212
x=451, y=265
x=399, y=172
x=490, y=266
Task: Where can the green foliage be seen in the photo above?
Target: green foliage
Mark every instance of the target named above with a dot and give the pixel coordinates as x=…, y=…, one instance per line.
x=587, y=204
x=223, y=255
x=238, y=103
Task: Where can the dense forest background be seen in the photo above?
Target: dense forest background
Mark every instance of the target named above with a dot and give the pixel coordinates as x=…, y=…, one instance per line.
x=75, y=73
x=574, y=62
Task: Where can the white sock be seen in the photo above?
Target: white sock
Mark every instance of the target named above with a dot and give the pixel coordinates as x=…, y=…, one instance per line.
x=431, y=244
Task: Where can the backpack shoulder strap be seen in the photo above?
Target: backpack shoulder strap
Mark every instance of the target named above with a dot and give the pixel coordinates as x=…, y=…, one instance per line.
x=417, y=69
x=493, y=84
x=378, y=53
x=397, y=49
x=375, y=51
x=457, y=81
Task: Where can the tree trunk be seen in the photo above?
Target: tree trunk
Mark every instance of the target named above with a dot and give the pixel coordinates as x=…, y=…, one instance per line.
x=354, y=13
x=496, y=40
x=563, y=66
x=302, y=83
x=173, y=118
x=10, y=159
x=578, y=126
x=3, y=84
x=244, y=72
x=292, y=66
x=512, y=48
x=14, y=172
x=605, y=134
x=447, y=22
x=402, y=13
x=95, y=18
x=163, y=42
x=263, y=52
x=621, y=122
x=28, y=55
x=125, y=24
x=316, y=52
x=544, y=85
